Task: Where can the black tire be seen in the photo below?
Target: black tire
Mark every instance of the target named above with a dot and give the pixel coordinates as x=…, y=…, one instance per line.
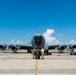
x=70, y=53
x=29, y=51
x=37, y=55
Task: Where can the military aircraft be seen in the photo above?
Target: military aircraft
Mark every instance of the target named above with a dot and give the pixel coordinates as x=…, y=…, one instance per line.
x=38, y=42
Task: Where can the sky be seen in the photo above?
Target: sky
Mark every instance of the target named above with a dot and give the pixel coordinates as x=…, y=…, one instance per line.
x=21, y=19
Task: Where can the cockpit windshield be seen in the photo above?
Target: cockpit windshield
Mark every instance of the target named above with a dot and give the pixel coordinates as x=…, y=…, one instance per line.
x=38, y=40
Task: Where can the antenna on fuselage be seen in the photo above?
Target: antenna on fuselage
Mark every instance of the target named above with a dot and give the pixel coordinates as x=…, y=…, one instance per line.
x=37, y=32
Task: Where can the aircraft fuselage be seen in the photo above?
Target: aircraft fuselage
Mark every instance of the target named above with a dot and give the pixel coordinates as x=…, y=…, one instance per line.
x=38, y=41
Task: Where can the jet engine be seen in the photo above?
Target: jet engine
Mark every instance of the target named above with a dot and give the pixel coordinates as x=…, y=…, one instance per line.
x=61, y=48
x=72, y=46
x=14, y=48
x=3, y=47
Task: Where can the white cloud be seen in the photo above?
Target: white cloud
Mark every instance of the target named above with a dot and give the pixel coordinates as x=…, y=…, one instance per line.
x=57, y=42
x=52, y=40
x=16, y=42
x=69, y=42
x=48, y=36
x=72, y=42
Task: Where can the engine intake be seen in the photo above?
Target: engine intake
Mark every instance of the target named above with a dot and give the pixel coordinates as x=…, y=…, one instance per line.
x=61, y=48
x=72, y=46
x=14, y=48
x=3, y=47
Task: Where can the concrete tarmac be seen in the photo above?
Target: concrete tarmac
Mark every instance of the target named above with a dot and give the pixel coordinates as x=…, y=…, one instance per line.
x=22, y=63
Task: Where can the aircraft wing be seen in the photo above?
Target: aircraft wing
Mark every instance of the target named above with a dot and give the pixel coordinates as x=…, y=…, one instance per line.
x=60, y=48
x=25, y=47
x=14, y=48
x=20, y=47
x=53, y=46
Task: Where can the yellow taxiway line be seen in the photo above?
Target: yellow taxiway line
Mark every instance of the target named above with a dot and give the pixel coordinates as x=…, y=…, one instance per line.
x=36, y=68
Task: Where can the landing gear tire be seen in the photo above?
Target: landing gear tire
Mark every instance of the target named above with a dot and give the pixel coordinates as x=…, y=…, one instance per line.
x=70, y=53
x=37, y=55
x=46, y=52
x=29, y=51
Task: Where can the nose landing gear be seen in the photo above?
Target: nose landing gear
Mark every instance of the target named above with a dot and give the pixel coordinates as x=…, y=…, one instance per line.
x=37, y=54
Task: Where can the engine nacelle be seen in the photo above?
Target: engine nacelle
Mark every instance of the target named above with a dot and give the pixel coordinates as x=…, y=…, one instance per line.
x=14, y=48
x=72, y=46
x=3, y=47
x=61, y=48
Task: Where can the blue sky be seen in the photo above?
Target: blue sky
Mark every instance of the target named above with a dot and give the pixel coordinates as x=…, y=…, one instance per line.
x=20, y=19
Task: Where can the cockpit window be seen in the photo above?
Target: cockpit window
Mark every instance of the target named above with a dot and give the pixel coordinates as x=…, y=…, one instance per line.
x=38, y=40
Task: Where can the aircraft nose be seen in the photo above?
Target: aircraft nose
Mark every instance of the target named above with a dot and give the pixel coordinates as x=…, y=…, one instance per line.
x=38, y=40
